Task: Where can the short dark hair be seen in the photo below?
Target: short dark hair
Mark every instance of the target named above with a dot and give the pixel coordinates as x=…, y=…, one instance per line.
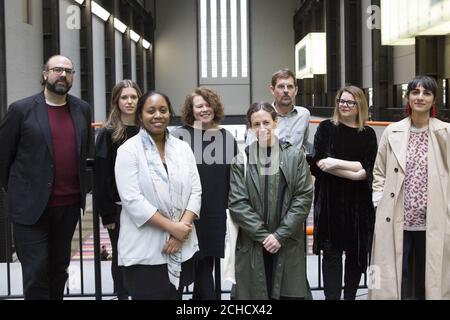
x=143, y=99
x=258, y=106
x=425, y=81
x=43, y=81
x=429, y=84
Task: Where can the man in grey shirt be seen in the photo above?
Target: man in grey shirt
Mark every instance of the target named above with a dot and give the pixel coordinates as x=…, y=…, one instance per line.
x=293, y=121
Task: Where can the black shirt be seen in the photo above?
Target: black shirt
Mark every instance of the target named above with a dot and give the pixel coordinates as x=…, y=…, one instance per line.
x=106, y=194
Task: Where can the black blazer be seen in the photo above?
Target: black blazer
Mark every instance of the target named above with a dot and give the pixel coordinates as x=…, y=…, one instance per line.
x=26, y=156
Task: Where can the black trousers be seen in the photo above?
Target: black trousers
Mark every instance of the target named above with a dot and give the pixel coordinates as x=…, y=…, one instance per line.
x=203, y=279
x=332, y=273
x=44, y=252
x=117, y=271
x=413, y=269
x=151, y=282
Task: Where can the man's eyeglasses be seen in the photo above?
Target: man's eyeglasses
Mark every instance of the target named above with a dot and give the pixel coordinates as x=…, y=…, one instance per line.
x=349, y=103
x=59, y=70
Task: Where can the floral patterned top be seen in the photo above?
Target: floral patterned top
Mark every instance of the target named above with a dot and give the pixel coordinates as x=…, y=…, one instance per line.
x=416, y=180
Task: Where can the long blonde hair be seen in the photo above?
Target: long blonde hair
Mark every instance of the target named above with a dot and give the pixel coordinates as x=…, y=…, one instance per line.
x=114, y=122
x=361, y=104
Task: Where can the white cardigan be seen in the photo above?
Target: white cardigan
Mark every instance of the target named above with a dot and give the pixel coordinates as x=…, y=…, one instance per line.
x=139, y=242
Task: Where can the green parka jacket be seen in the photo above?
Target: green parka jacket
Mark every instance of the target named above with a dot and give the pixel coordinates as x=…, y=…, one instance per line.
x=246, y=207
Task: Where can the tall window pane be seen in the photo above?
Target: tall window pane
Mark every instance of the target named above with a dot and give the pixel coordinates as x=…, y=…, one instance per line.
x=204, y=38
x=224, y=36
x=234, y=40
x=213, y=38
x=224, y=47
x=244, y=39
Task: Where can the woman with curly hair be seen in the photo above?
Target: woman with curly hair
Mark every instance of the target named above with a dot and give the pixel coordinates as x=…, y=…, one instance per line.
x=214, y=148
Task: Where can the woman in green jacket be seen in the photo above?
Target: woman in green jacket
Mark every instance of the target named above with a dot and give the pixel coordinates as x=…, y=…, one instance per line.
x=270, y=199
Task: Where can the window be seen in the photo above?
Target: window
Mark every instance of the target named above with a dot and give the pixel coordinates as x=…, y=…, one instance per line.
x=404, y=90
x=444, y=93
x=223, y=46
x=26, y=11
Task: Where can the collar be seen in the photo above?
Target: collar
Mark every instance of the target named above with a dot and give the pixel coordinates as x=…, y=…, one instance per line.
x=55, y=104
x=294, y=111
x=144, y=132
x=405, y=125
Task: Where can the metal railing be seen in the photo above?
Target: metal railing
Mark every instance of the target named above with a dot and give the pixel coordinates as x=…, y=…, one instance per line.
x=7, y=250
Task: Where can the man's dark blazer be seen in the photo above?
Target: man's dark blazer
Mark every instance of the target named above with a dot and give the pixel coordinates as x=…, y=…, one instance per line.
x=26, y=155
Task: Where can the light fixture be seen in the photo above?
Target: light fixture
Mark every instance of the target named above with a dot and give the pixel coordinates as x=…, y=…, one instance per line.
x=145, y=44
x=311, y=55
x=134, y=36
x=79, y=1
x=99, y=11
x=438, y=30
x=119, y=25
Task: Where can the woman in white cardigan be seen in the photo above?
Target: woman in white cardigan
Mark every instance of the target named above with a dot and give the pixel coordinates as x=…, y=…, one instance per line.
x=160, y=191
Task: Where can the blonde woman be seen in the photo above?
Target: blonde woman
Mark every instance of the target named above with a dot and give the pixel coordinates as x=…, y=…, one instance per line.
x=121, y=126
x=345, y=150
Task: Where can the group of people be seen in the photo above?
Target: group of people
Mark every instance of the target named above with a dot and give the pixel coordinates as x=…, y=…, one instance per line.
x=163, y=195
x=386, y=207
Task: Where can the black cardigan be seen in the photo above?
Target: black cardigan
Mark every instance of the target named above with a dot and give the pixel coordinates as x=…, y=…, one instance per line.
x=106, y=194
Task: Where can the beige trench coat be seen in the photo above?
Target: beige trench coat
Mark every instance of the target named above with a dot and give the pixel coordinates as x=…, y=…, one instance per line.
x=385, y=273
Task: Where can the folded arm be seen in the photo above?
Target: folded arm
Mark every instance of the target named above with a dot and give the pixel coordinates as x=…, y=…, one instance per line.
x=352, y=170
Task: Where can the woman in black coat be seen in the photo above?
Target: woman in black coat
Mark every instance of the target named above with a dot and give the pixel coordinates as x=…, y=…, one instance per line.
x=121, y=126
x=345, y=151
x=214, y=148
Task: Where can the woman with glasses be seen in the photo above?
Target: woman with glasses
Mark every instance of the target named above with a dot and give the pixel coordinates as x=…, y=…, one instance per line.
x=411, y=249
x=345, y=151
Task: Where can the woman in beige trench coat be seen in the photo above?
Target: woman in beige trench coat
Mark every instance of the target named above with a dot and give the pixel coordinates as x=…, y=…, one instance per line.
x=419, y=210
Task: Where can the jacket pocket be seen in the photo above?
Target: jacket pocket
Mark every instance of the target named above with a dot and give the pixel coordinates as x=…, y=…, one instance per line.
x=242, y=247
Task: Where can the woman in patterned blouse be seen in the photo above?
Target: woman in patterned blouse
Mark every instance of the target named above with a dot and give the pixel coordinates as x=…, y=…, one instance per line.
x=410, y=254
